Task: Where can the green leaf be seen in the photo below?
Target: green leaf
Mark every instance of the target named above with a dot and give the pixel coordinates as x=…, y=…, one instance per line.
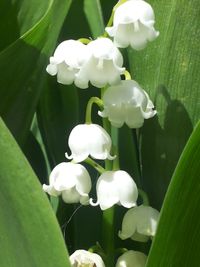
x=168, y=70
x=177, y=239
x=57, y=115
x=30, y=235
x=93, y=12
x=23, y=62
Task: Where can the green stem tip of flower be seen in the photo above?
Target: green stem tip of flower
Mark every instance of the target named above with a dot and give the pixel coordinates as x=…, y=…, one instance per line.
x=127, y=75
x=92, y=100
x=144, y=197
x=95, y=165
x=84, y=40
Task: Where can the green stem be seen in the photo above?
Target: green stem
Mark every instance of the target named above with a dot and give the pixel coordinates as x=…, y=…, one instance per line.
x=127, y=75
x=144, y=197
x=95, y=165
x=108, y=235
x=96, y=100
x=108, y=215
x=114, y=136
x=84, y=40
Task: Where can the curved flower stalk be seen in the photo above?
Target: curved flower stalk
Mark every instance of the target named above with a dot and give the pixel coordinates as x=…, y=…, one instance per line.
x=115, y=187
x=139, y=223
x=104, y=65
x=67, y=60
x=127, y=103
x=89, y=139
x=132, y=258
x=133, y=25
x=71, y=181
x=83, y=258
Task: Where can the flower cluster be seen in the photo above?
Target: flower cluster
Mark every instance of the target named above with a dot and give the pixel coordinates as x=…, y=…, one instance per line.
x=100, y=63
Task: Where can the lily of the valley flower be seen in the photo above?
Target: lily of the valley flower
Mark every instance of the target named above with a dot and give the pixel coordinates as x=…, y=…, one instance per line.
x=139, y=223
x=115, y=187
x=89, y=139
x=104, y=65
x=133, y=25
x=67, y=60
x=127, y=103
x=132, y=258
x=71, y=181
x=83, y=258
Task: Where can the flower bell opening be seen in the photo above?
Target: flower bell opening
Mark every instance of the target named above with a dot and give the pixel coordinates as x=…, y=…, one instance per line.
x=115, y=187
x=133, y=25
x=89, y=140
x=127, y=103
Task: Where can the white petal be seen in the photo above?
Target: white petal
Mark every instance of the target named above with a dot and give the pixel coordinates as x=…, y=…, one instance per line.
x=50, y=190
x=52, y=69
x=71, y=195
x=68, y=58
x=72, y=181
x=147, y=220
x=133, y=25
x=132, y=11
x=139, y=237
x=64, y=75
x=116, y=187
x=89, y=139
x=123, y=35
x=127, y=189
x=83, y=257
x=138, y=222
x=129, y=225
x=99, y=142
x=62, y=176
x=78, y=142
x=132, y=258
x=70, y=51
x=104, y=65
x=107, y=192
x=81, y=79
x=83, y=180
x=127, y=103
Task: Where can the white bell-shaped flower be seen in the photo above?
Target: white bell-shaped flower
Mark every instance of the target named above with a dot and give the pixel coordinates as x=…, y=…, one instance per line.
x=139, y=223
x=115, y=187
x=89, y=139
x=104, y=65
x=67, y=60
x=83, y=258
x=132, y=258
x=127, y=103
x=71, y=181
x=133, y=25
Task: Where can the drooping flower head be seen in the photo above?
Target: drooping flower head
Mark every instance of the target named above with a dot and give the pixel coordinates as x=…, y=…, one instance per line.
x=83, y=258
x=139, y=223
x=115, y=187
x=104, y=66
x=132, y=258
x=127, y=103
x=133, y=25
x=67, y=60
x=71, y=181
x=89, y=139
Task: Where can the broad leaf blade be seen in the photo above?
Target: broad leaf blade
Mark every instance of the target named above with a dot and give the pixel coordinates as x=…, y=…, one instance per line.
x=29, y=232
x=168, y=70
x=23, y=64
x=93, y=12
x=177, y=239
